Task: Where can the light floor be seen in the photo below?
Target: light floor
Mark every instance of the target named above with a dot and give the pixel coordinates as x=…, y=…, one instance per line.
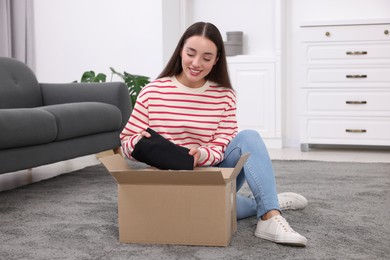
x=20, y=178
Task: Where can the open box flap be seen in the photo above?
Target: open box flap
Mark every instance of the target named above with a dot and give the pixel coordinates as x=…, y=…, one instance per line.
x=114, y=163
x=238, y=167
x=228, y=173
x=124, y=174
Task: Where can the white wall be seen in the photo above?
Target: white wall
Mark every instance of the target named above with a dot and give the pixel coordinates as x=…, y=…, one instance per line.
x=254, y=17
x=172, y=16
x=73, y=36
x=301, y=11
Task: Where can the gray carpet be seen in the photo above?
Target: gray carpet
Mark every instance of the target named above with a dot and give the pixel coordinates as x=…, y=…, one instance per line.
x=74, y=216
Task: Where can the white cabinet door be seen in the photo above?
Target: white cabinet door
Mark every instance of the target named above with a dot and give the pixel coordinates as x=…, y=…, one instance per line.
x=254, y=83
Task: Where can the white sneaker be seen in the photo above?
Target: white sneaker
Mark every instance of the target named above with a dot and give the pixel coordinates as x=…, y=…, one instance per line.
x=277, y=229
x=291, y=200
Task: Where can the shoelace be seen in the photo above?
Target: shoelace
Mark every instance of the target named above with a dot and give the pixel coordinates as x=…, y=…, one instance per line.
x=284, y=224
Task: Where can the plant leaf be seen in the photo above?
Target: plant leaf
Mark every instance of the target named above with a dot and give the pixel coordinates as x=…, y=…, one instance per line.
x=134, y=83
x=117, y=73
x=88, y=76
x=100, y=78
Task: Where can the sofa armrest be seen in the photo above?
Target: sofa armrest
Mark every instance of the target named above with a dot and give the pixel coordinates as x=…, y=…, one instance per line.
x=114, y=93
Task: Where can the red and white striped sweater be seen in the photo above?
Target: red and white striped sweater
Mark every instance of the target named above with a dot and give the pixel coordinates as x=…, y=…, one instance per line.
x=204, y=117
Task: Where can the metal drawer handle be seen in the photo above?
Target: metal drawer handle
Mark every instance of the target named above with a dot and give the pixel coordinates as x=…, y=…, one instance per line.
x=356, y=53
x=356, y=76
x=356, y=102
x=355, y=130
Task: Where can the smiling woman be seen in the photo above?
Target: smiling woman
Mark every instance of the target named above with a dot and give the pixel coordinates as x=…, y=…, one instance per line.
x=192, y=104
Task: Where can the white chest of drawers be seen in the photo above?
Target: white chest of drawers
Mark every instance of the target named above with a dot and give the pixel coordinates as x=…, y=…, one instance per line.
x=345, y=84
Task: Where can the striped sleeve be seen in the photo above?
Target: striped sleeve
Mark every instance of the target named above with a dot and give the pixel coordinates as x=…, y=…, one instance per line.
x=213, y=152
x=138, y=122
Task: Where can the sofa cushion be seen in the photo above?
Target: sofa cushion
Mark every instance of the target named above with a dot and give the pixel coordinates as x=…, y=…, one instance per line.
x=19, y=87
x=21, y=127
x=84, y=118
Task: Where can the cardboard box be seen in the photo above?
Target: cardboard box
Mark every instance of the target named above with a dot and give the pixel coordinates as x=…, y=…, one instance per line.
x=175, y=207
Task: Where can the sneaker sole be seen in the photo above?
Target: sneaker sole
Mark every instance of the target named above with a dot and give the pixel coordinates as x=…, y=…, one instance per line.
x=276, y=239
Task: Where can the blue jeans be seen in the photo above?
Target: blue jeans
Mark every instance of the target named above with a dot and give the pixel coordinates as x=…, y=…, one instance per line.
x=257, y=171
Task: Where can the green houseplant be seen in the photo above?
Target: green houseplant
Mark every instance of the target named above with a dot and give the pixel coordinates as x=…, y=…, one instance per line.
x=134, y=82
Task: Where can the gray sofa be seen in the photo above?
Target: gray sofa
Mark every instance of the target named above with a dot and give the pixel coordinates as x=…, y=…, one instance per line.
x=46, y=123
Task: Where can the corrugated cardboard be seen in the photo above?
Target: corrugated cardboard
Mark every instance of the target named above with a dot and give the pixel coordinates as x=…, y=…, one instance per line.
x=175, y=207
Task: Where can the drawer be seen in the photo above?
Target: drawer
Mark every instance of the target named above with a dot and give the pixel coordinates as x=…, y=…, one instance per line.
x=357, y=103
x=349, y=53
x=373, y=32
x=352, y=76
x=356, y=131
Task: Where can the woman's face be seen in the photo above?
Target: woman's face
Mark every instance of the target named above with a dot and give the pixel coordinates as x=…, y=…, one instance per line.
x=198, y=56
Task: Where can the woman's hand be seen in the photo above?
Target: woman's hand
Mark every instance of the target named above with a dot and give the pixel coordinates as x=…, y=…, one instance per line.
x=145, y=134
x=196, y=153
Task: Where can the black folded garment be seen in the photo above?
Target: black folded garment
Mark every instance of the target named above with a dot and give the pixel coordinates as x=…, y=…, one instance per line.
x=161, y=153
